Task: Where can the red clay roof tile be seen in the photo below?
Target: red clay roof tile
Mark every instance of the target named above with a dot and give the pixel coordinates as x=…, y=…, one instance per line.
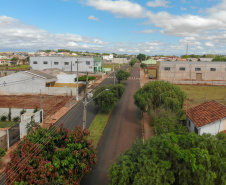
x=207, y=113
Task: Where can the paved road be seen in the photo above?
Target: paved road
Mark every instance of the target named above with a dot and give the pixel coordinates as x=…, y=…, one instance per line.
x=74, y=117
x=123, y=127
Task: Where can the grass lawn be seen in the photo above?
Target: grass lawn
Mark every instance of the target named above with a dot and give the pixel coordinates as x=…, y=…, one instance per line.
x=97, y=127
x=5, y=124
x=198, y=94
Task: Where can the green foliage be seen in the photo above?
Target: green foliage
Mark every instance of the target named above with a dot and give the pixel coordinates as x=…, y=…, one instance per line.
x=168, y=122
x=16, y=119
x=35, y=110
x=3, y=118
x=172, y=159
x=62, y=157
x=22, y=111
x=141, y=57
x=160, y=94
x=14, y=59
x=83, y=78
x=63, y=50
x=143, y=65
x=122, y=75
x=105, y=99
x=2, y=153
x=219, y=59
x=133, y=61
x=30, y=125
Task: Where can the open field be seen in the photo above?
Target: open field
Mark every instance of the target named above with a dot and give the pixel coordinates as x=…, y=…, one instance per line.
x=198, y=94
x=20, y=67
x=50, y=104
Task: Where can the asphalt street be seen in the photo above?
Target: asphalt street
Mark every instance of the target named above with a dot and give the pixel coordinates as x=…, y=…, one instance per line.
x=124, y=127
x=74, y=117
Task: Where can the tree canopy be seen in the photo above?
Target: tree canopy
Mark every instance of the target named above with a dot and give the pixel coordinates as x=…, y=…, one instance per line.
x=55, y=156
x=83, y=78
x=160, y=94
x=219, y=59
x=173, y=159
x=141, y=57
x=133, y=61
x=143, y=65
x=122, y=75
x=105, y=99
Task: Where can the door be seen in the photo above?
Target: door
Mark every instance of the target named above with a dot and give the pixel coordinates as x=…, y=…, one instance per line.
x=198, y=76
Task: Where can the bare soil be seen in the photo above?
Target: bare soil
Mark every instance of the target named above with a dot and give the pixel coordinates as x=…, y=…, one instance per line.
x=50, y=104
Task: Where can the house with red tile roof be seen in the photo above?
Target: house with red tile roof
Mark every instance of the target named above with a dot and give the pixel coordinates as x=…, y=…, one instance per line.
x=209, y=117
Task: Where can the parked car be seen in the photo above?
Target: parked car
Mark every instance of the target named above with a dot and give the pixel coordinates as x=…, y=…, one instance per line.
x=150, y=76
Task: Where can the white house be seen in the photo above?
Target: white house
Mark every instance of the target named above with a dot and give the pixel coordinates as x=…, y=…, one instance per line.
x=209, y=117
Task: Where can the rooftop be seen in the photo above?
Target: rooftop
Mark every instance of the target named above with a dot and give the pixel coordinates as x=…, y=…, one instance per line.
x=207, y=113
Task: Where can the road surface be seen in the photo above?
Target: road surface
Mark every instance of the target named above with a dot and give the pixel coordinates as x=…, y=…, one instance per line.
x=124, y=127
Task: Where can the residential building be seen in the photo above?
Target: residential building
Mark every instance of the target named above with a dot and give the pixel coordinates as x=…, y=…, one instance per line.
x=64, y=63
x=108, y=58
x=192, y=71
x=98, y=64
x=120, y=60
x=209, y=117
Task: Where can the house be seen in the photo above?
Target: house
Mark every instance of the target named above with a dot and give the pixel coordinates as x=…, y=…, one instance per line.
x=64, y=63
x=209, y=117
x=98, y=64
x=26, y=82
x=108, y=58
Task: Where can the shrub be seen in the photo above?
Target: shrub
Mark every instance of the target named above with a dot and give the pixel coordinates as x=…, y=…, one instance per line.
x=22, y=111
x=143, y=65
x=83, y=78
x=16, y=119
x=35, y=110
x=3, y=118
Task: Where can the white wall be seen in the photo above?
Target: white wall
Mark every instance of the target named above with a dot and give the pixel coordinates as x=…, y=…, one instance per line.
x=20, y=84
x=14, y=112
x=66, y=78
x=64, y=91
x=212, y=128
x=192, y=126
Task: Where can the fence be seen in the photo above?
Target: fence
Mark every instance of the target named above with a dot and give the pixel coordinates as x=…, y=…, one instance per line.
x=13, y=135
x=193, y=82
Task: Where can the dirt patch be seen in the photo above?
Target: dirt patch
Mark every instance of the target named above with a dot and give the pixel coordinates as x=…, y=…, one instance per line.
x=50, y=104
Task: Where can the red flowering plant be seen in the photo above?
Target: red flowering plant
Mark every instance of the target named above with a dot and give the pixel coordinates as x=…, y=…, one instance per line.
x=57, y=155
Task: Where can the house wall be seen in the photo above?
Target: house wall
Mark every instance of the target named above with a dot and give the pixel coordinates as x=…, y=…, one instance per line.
x=66, y=78
x=190, y=73
x=192, y=126
x=120, y=60
x=61, y=91
x=14, y=112
x=72, y=66
x=20, y=84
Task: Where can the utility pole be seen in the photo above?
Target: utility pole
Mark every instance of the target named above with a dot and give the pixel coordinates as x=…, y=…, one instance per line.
x=114, y=70
x=85, y=103
x=187, y=49
x=77, y=81
x=40, y=100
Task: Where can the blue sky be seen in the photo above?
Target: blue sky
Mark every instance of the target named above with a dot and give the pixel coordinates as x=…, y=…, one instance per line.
x=152, y=27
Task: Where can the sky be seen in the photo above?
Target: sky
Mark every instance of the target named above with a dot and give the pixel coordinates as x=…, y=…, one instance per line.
x=152, y=27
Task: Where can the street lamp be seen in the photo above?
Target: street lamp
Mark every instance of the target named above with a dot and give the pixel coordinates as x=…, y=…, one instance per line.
x=85, y=107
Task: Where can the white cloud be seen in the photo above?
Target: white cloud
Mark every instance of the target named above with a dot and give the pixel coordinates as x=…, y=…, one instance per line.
x=92, y=17
x=121, y=8
x=199, y=48
x=184, y=9
x=158, y=3
x=148, y=31
x=15, y=34
x=209, y=44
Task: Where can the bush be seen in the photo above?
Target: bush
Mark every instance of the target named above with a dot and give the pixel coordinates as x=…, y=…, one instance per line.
x=143, y=65
x=22, y=111
x=35, y=110
x=2, y=153
x=62, y=157
x=3, y=118
x=83, y=78
x=16, y=119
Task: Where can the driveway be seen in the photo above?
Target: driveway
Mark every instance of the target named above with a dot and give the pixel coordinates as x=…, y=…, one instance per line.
x=124, y=127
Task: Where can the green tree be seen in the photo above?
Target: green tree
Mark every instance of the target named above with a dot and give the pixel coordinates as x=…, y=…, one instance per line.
x=14, y=59
x=143, y=65
x=55, y=156
x=122, y=75
x=172, y=159
x=83, y=78
x=141, y=57
x=106, y=99
x=219, y=59
x=160, y=94
x=133, y=61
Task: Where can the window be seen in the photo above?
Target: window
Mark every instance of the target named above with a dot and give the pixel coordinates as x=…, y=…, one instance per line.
x=197, y=69
x=182, y=68
x=35, y=62
x=212, y=69
x=189, y=123
x=87, y=62
x=66, y=63
x=196, y=130
x=45, y=62
x=167, y=68
x=56, y=63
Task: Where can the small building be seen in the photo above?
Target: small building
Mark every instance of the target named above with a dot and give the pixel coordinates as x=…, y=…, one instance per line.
x=64, y=63
x=209, y=117
x=98, y=64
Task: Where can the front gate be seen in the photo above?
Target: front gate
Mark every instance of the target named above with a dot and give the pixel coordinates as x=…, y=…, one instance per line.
x=14, y=134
